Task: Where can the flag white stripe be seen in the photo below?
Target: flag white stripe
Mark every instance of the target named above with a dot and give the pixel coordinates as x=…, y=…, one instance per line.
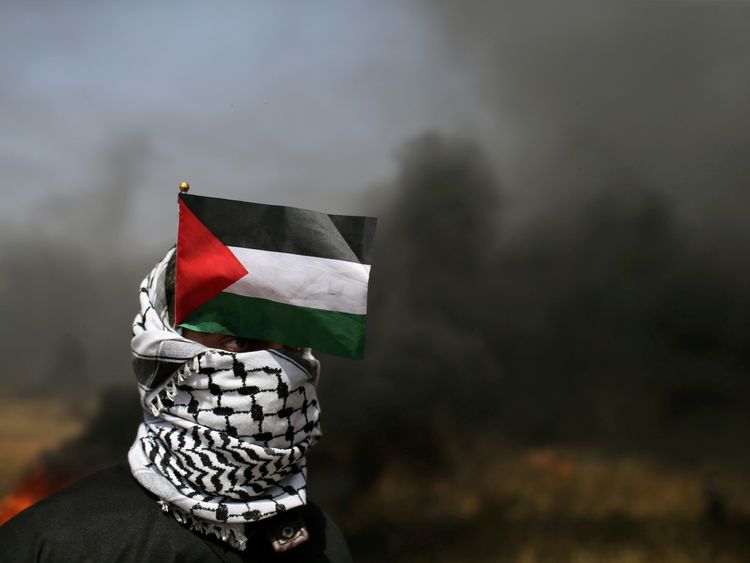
x=306, y=281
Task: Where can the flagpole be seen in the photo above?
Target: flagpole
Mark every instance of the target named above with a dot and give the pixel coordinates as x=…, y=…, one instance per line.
x=184, y=187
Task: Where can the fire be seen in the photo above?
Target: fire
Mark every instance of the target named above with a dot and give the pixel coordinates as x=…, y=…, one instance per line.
x=547, y=460
x=37, y=484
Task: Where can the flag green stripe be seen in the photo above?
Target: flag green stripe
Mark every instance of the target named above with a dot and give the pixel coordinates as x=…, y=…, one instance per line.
x=342, y=334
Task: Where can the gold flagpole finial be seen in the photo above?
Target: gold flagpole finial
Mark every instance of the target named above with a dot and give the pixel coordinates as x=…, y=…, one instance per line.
x=184, y=187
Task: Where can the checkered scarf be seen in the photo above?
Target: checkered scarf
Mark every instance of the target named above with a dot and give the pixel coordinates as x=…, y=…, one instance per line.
x=225, y=434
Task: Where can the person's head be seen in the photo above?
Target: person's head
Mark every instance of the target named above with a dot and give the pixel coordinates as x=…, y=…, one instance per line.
x=202, y=403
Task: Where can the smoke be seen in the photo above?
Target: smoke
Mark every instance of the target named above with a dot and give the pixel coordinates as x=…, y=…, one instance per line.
x=431, y=288
x=65, y=278
x=580, y=93
x=613, y=321
x=95, y=220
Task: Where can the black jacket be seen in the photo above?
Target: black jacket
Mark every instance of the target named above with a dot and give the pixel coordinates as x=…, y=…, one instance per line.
x=110, y=517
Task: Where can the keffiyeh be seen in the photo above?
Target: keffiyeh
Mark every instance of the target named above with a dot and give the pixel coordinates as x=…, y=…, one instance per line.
x=225, y=434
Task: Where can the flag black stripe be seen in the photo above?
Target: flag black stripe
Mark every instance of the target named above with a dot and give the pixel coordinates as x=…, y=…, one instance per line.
x=358, y=232
x=285, y=229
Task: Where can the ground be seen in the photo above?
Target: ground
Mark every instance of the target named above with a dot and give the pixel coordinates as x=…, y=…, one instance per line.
x=493, y=501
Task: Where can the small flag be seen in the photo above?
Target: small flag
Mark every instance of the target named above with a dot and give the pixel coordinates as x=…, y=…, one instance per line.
x=283, y=274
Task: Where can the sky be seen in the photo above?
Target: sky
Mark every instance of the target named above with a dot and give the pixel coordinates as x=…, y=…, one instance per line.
x=105, y=107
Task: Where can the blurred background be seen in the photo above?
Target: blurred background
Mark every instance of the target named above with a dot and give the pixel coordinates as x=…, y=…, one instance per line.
x=557, y=363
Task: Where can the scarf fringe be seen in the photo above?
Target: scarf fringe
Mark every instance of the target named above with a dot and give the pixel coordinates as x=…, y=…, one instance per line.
x=169, y=388
x=225, y=532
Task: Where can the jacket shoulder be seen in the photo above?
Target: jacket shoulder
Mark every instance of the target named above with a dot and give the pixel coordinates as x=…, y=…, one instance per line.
x=104, y=517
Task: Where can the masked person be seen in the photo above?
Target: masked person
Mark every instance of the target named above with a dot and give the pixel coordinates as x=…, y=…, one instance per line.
x=217, y=471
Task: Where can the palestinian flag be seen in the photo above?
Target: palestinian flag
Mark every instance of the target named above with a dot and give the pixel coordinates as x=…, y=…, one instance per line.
x=287, y=275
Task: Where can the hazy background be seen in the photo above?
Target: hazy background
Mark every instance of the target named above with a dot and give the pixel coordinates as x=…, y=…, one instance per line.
x=561, y=265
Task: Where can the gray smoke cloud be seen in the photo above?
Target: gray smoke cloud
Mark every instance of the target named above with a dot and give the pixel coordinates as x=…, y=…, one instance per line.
x=614, y=295
x=69, y=277
x=582, y=92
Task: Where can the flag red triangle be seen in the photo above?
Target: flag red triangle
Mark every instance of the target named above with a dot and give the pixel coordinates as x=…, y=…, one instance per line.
x=204, y=266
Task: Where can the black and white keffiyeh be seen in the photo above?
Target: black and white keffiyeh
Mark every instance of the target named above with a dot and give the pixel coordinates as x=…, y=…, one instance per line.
x=225, y=434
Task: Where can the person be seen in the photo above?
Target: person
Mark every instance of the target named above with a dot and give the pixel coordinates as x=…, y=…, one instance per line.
x=217, y=471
